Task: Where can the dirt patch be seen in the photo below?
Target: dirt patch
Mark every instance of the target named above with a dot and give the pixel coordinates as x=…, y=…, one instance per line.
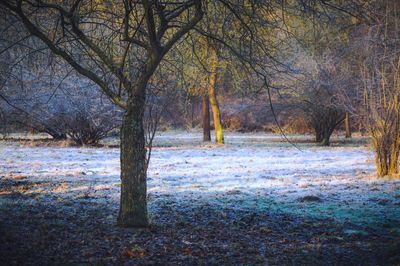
x=310, y=198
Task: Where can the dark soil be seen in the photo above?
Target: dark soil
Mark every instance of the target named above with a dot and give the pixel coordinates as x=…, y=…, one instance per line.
x=37, y=230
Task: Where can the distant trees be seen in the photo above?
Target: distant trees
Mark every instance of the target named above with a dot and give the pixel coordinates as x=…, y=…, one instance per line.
x=43, y=94
x=203, y=73
x=319, y=72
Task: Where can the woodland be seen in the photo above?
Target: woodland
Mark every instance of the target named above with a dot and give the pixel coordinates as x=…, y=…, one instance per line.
x=199, y=132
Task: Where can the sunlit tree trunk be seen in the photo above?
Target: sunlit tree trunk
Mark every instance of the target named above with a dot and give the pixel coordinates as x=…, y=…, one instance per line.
x=206, y=118
x=394, y=161
x=192, y=102
x=219, y=133
x=386, y=154
x=347, y=125
x=133, y=203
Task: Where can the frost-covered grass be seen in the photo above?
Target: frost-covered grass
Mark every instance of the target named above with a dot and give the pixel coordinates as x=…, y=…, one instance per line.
x=260, y=168
x=252, y=172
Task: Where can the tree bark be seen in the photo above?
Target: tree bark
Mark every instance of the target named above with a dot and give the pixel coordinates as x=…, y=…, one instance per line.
x=192, y=102
x=56, y=135
x=219, y=133
x=324, y=122
x=326, y=139
x=318, y=134
x=133, y=202
x=206, y=118
x=381, y=159
x=394, y=161
x=347, y=126
x=387, y=155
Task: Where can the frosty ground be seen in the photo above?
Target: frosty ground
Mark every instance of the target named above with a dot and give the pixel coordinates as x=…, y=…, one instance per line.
x=255, y=200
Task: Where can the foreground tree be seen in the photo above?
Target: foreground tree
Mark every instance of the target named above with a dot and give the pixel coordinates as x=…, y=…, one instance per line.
x=118, y=46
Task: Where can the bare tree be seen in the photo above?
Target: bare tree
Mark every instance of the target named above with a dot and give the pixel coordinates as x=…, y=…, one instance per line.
x=315, y=94
x=118, y=46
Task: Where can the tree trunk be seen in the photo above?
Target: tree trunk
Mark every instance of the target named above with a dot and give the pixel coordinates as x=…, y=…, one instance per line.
x=323, y=133
x=347, y=125
x=381, y=161
x=59, y=136
x=133, y=204
x=192, y=100
x=325, y=140
x=324, y=121
x=219, y=133
x=318, y=134
x=386, y=156
x=55, y=134
x=206, y=118
x=394, y=161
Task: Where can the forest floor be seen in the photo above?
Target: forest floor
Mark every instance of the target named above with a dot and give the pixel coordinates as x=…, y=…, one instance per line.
x=255, y=201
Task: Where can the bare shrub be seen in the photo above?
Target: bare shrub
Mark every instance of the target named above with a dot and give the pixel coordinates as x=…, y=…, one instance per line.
x=316, y=96
x=381, y=86
x=86, y=128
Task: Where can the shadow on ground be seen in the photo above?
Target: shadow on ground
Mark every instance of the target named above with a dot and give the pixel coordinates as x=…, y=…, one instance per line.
x=48, y=229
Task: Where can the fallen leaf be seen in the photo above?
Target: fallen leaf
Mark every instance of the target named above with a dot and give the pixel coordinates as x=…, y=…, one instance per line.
x=135, y=252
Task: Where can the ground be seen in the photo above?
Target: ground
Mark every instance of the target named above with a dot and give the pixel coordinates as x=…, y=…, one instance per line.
x=256, y=200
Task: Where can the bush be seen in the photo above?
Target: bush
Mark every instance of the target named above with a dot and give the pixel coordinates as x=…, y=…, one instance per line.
x=88, y=129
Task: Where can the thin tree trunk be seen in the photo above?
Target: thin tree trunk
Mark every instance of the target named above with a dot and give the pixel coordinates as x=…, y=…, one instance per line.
x=206, y=118
x=394, y=163
x=133, y=205
x=386, y=154
x=192, y=100
x=394, y=157
x=219, y=133
x=347, y=125
x=57, y=135
x=318, y=134
x=381, y=162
